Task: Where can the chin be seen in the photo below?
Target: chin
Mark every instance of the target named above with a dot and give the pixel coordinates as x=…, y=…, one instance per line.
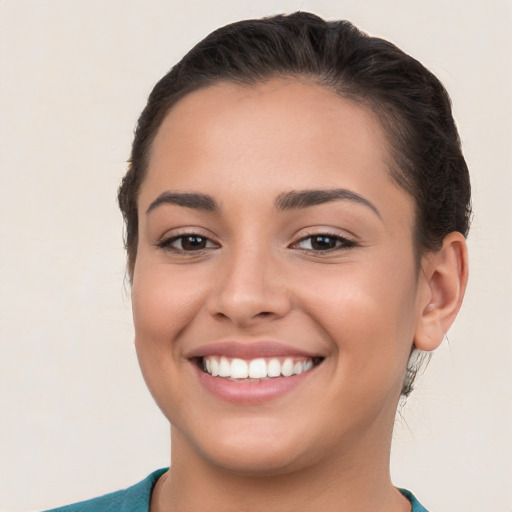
x=254, y=460
x=260, y=448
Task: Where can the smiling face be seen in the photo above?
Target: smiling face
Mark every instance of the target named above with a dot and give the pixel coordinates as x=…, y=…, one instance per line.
x=274, y=249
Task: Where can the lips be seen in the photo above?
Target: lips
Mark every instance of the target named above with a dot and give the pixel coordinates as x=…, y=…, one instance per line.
x=252, y=372
x=249, y=350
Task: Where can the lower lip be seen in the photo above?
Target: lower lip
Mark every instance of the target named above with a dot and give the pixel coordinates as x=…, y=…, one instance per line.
x=251, y=392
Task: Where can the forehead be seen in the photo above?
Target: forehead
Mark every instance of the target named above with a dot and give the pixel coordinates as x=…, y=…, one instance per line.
x=286, y=115
x=281, y=135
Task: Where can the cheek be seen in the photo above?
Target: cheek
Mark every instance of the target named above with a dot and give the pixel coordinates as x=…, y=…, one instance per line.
x=368, y=312
x=164, y=305
x=163, y=302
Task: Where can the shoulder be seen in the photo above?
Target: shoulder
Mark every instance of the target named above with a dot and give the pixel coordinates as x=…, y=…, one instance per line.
x=133, y=499
x=416, y=505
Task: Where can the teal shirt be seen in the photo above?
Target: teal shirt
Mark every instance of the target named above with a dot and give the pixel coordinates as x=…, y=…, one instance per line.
x=136, y=499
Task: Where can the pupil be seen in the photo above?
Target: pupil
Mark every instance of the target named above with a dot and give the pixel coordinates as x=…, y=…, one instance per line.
x=193, y=242
x=322, y=243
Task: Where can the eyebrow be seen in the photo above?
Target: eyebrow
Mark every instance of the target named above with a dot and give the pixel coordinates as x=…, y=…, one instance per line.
x=292, y=200
x=194, y=200
x=306, y=198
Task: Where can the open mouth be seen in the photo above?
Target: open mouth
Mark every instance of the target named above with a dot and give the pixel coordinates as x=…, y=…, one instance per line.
x=256, y=369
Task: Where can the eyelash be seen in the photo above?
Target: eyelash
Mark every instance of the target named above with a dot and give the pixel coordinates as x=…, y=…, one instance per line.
x=341, y=243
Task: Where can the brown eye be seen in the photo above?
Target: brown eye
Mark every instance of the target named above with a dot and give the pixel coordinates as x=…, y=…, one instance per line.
x=324, y=243
x=192, y=242
x=187, y=243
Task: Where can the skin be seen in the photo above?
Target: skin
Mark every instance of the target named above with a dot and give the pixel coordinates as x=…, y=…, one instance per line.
x=360, y=305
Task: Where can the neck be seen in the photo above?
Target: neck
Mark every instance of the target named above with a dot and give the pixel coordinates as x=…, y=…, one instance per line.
x=337, y=483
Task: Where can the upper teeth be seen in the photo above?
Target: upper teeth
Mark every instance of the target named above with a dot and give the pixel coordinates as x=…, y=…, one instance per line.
x=255, y=368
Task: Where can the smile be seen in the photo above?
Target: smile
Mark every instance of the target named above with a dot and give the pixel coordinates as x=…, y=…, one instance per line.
x=256, y=369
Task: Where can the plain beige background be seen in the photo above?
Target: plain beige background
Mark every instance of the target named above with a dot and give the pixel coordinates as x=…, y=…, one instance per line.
x=75, y=417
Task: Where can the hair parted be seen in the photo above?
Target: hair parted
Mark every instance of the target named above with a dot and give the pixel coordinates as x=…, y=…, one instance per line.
x=411, y=103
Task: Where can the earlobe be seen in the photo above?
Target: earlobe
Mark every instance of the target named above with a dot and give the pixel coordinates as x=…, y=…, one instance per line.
x=445, y=275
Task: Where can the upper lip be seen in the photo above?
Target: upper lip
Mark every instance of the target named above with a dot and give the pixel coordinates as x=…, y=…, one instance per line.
x=248, y=350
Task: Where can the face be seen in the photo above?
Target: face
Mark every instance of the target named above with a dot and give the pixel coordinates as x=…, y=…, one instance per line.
x=275, y=291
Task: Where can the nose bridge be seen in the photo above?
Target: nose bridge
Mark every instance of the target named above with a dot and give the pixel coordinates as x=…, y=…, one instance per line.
x=249, y=287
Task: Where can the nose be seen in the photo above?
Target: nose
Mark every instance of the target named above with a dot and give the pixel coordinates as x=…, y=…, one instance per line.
x=249, y=289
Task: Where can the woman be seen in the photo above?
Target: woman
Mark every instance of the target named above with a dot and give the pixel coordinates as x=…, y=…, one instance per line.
x=296, y=210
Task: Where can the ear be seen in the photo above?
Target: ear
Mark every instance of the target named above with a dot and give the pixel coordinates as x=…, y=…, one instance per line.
x=444, y=276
